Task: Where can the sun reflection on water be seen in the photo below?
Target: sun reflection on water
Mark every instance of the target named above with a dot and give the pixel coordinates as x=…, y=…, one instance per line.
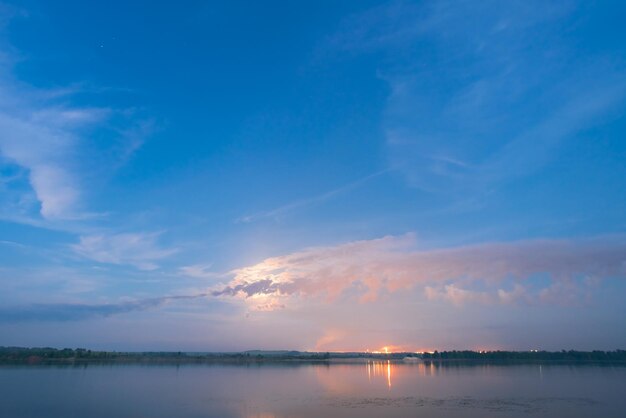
x=381, y=368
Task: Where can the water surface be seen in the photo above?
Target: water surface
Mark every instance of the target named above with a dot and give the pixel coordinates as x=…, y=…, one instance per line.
x=281, y=390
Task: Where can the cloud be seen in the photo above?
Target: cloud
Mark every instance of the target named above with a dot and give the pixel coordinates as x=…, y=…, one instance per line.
x=48, y=141
x=403, y=23
x=298, y=204
x=13, y=244
x=140, y=250
x=481, y=94
x=260, y=287
x=456, y=295
x=52, y=141
x=532, y=271
x=199, y=271
x=518, y=293
x=41, y=141
x=269, y=306
x=77, y=311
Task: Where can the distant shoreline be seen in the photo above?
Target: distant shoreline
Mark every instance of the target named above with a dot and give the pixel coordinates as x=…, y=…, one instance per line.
x=275, y=361
x=51, y=356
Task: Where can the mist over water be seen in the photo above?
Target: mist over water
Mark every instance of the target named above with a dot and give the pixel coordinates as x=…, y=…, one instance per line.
x=371, y=389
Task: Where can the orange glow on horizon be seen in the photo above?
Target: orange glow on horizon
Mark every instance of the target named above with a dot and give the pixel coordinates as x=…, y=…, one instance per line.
x=393, y=349
x=390, y=349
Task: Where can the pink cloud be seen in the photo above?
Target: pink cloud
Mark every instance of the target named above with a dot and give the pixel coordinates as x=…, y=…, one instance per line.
x=371, y=268
x=456, y=295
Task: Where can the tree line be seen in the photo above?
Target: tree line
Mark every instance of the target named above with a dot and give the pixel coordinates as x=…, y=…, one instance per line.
x=534, y=355
x=48, y=354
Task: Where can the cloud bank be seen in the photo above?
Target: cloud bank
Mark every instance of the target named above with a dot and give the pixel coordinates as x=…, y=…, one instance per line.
x=533, y=271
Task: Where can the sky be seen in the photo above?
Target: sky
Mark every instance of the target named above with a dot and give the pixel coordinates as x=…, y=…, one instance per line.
x=313, y=175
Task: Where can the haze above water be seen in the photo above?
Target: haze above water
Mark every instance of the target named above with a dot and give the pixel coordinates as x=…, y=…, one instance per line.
x=304, y=390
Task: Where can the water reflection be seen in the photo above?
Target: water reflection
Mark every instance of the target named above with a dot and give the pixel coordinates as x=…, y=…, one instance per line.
x=379, y=369
x=390, y=389
x=386, y=370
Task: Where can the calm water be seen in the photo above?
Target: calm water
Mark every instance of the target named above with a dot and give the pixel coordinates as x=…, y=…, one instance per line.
x=339, y=390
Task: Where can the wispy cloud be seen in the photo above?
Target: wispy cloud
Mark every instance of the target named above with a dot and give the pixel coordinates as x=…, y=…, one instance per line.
x=13, y=244
x=41, y=141
x=47, y=142
x=200, y=271
x=474, y=101
x=78, y=311
x=140, y=250
x=49, y=137
x=486, y=273
x=298, y=204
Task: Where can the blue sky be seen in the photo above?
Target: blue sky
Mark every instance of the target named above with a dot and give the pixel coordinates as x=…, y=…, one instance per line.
x=313, y=175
